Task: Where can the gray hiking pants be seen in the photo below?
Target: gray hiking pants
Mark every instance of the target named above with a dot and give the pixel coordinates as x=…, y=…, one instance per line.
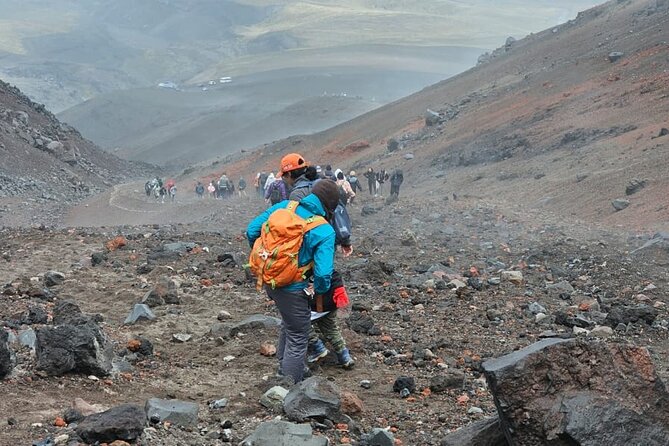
x=295, y=326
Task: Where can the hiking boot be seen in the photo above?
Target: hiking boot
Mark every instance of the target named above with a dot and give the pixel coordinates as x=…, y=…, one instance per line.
x=344, y=359
x=317, y=351
x=306, y=373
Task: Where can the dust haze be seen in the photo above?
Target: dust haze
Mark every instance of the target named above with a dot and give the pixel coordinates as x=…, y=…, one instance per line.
x=171, y=82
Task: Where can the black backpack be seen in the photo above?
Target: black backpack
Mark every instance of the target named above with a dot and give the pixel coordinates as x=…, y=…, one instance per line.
x=343, y=196
x=275, y=195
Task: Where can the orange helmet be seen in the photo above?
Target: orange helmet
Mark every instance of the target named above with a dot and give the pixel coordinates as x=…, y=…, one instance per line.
x=292, y=161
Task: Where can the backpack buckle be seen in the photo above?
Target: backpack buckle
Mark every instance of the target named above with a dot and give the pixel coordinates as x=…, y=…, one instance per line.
x=264, y=254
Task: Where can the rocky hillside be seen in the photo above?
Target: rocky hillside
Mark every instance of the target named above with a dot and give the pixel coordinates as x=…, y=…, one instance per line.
x=563, y=120
x=46, y=165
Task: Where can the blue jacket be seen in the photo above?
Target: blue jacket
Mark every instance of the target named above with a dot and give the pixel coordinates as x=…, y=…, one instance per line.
x=318, y=245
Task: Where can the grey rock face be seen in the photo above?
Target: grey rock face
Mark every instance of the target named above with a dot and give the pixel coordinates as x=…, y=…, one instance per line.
x=550, y=393
x=615, y=56
x=620, y=203
x=379, y=437
x=139, y=312
x=283, y=433
x=454, y=379
x=181, y=413
x=313, y=397
x=273, y=398
x=53, y=278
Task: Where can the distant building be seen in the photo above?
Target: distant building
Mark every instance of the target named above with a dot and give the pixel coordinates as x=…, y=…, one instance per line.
x=170, y=85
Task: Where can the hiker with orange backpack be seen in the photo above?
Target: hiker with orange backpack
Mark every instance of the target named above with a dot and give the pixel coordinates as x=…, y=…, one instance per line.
x=301, y=178
x=290, y=241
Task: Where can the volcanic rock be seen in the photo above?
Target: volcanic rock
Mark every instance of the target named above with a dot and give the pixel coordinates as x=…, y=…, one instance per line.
x=379, y=437
x=551, y=393
x=620, y=203
x=615, y=56
x=283, y=433
x=165, y=292
x=73, y=348
x=404, y=382
x=635, y=186
x=624, y=314
x=515, y=277
x=125, y=422
x=53, y=278
x=454, y=379
x=139, y=312
x=273, y=398
x=314, y=397
x=181, y=413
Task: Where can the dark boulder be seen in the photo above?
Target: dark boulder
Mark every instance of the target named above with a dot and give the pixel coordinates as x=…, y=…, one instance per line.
x=125, y=422
x=36, y=315
x=574, y=392
x=404, y=382
x=97, y=258
x=363, y=323
x=73, y=348
x=53, y=278
x=615, y=56
x=454, y=379
x=165, y=292
x=634, y=186
x=315, y=397
x=624, y=314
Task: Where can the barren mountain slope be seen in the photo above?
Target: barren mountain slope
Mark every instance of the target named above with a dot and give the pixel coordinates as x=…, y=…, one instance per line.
x=45, y=165
x=549, y=121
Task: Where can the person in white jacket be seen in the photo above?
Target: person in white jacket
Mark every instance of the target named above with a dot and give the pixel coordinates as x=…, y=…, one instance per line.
x=270, y=180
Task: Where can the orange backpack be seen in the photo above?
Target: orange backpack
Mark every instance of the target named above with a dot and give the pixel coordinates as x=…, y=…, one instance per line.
x=273, y=259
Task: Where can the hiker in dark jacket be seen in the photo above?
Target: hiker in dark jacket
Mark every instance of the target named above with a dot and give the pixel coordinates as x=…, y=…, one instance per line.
x=199, y=189
x=371, y=181
x=329, y=174
x=260, y=187
x=381, y=177
x=241, y=187
x=298, y=175
x=396, y=180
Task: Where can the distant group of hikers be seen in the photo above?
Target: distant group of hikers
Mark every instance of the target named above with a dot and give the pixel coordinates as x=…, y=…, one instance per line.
x=376, y=181
x=221, y=188
x=275, y=188
x=159, y=189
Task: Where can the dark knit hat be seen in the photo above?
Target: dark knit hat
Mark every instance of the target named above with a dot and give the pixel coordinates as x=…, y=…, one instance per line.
x=328, y=192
